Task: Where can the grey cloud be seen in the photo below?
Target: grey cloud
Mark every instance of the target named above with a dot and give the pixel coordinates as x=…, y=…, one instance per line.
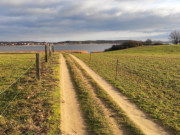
x=68, y=16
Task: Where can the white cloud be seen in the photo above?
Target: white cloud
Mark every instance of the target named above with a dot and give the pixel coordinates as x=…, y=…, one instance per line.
x=45, y=11
x=113, y=35
x=23, y=2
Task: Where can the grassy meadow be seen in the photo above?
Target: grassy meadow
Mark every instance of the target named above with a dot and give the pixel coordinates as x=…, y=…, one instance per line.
x=29, y=106
x=148, y=75
x=151, y=50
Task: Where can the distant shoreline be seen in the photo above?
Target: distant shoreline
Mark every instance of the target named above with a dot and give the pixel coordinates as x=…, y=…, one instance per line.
x=63, y=51
x=20, y=45
x=57, y=44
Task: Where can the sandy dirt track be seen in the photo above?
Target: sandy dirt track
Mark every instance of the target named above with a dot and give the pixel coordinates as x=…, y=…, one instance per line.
x=71, y=118
x=137, y=116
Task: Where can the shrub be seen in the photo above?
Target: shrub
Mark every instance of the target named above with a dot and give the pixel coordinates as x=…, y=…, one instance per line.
x=127, y=44
x=158, y=43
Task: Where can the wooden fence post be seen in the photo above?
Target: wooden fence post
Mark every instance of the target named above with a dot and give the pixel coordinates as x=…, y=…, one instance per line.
x=116, y=69
x=53, y=48
x=46, y=51
x=90, y=57
x=37, y=66
x=49, y=50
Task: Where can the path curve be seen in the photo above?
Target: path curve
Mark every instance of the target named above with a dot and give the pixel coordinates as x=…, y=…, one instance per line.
x=71, y=119
x=147, y=126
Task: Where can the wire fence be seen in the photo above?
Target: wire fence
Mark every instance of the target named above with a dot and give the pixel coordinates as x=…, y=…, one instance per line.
x=9, y=61
x=6, y=96
x=12, y=85
x=12, y=91
x=13, y=67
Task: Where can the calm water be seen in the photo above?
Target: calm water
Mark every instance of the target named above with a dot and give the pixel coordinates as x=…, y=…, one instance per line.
x=88, y=48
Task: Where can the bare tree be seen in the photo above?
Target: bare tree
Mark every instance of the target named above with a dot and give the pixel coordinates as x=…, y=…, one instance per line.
x=148, y=42
x=175, y=37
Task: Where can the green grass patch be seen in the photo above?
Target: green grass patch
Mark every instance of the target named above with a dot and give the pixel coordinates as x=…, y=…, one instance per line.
x=151, y=80
x=151, y=50
x=12, y=66
x=33, y=106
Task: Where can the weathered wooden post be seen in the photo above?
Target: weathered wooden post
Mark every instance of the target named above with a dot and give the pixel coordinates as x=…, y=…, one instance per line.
x=90, y=57
x=37, y=66
x=49, y=50
x=53, y=48
x=117, y=62
x=46, y=51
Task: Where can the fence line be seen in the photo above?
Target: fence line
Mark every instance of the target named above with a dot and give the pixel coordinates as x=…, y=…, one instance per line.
x=4, y=111
x=16, y=80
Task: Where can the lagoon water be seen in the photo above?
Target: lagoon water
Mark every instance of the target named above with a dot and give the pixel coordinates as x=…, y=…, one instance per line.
x=89, y=48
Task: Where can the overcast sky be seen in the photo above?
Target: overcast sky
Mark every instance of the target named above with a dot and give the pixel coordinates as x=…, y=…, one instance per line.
x=59, y=20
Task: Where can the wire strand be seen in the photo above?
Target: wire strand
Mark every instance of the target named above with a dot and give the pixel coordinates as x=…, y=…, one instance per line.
x=10, y=103
x=16, y=80
x=3, y=112
x=17, y=93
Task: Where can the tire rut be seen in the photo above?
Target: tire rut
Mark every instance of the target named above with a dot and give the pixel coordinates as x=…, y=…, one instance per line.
x=72, y=122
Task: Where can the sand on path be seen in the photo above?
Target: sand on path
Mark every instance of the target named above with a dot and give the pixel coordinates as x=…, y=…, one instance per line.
x=139, y=118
